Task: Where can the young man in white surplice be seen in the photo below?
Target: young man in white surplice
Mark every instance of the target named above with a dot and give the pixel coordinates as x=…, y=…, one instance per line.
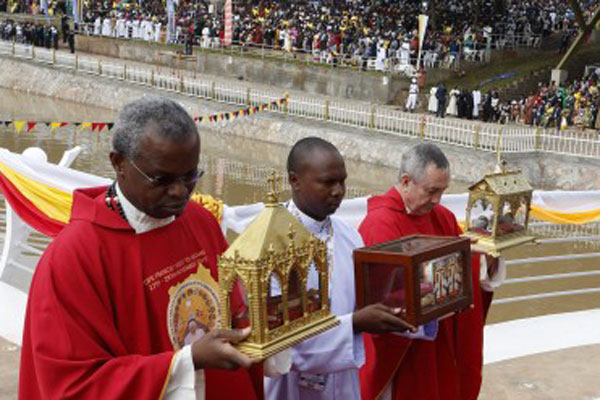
x=326, y=366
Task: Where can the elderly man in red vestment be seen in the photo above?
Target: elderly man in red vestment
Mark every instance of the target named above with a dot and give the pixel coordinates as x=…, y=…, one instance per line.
x=107, y=309
x=448, y=366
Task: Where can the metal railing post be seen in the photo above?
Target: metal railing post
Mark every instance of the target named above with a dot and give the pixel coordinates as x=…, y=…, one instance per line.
x=286, y=103
x=248, y=99
x=372, y=117
x=33, y=52
x=13, y=48
x=124, y=72
x=212, y=90
x=326, y=110
x=477, y=136
x=152, y=81
x=53, y=57
x=422, y=127
x=538, y=138
x=181, y=85
x=499, y=144
x=99, y=67
x=76, y=63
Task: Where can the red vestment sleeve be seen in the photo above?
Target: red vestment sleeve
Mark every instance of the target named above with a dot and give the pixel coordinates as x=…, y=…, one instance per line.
x=72, y=349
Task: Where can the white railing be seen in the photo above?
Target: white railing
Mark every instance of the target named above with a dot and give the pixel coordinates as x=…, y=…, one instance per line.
x=464, y=133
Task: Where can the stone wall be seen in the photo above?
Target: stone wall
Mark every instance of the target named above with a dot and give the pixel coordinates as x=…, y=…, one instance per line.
x=548, y=171
x=334, y=82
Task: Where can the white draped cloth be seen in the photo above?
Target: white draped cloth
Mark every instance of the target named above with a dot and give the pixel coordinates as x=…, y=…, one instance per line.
x=326, y=366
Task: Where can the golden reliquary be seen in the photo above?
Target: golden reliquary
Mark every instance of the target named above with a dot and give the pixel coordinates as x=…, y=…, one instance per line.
x=498, y=212
x=428, y=277
x=270, y=264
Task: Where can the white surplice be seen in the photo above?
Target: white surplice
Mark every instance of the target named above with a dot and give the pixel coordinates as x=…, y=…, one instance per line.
x=333, y=357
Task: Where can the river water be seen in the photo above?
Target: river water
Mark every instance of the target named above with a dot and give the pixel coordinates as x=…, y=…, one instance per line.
x=236, y=172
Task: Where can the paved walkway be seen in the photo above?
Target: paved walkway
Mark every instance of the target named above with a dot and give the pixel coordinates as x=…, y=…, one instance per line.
x=9, y=370
x=572, y=374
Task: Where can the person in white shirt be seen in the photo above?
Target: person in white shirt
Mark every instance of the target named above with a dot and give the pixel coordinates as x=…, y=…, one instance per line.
x=98, y=26
x=433, y=102
x=326, y=366
x=413, y=94
x=157, y=30
x=120, y=29
x=128, y=28
x=148, y=30
x=476, y=103
x=135, y=28
x=106, y=26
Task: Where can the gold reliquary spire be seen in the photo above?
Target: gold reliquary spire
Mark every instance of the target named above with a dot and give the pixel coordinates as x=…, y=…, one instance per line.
x=268, y=265
x=274, y=192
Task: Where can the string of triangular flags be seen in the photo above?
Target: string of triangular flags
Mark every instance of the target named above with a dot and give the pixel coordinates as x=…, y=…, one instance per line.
x=241, y=113
x=28, y=126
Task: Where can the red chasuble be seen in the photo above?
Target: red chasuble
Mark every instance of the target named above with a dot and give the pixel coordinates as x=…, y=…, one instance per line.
x=96, y=324
x=448, y=368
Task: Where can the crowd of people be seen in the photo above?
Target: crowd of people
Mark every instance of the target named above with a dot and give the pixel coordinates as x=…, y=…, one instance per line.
x=377, y=34
x=572, y=104
x=38, y=34
x=30, y=33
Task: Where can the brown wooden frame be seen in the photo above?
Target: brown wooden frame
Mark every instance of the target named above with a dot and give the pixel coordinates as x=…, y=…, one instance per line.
x=410, y=261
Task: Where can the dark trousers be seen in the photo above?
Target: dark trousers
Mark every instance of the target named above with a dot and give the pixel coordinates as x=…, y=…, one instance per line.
x=441, y=111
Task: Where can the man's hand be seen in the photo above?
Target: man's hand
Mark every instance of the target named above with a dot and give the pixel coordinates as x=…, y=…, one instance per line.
x=379, y=318
x=214, y=350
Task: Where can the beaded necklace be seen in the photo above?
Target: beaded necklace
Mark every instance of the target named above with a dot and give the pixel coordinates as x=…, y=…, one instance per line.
x=113, y=202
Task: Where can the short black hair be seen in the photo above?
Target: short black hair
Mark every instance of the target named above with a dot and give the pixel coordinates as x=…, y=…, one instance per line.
x=303, y=148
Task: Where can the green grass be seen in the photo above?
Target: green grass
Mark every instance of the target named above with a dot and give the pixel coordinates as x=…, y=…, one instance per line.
x=523, y=65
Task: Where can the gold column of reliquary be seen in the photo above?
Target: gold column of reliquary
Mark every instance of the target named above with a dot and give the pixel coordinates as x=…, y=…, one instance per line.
x=270, y=263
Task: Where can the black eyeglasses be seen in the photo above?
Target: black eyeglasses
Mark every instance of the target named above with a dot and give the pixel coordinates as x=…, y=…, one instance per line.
x=166, y=180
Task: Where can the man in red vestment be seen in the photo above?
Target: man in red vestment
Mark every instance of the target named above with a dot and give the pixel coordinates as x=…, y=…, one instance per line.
x=449, y=366
x=110, y=300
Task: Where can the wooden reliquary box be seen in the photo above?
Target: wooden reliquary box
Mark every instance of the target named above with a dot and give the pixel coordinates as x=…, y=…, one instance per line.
x=428, y=277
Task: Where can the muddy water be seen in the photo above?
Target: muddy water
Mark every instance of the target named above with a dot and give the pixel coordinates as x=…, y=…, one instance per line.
x=237, y=169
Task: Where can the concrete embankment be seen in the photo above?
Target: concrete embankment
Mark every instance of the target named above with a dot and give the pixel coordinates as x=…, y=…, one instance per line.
x=543, y=170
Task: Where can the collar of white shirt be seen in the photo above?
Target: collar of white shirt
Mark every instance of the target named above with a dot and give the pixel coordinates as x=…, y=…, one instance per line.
x=140, y=221
x=317, y=228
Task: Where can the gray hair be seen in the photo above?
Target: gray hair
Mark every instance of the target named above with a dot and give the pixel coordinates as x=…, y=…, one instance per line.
x=169, y=118
x=416, y=159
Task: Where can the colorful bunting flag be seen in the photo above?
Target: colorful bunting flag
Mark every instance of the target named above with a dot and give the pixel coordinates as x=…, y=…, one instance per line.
x=19, y=125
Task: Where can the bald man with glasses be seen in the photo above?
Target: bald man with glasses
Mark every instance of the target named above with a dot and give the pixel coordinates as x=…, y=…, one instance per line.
x=109, y=310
